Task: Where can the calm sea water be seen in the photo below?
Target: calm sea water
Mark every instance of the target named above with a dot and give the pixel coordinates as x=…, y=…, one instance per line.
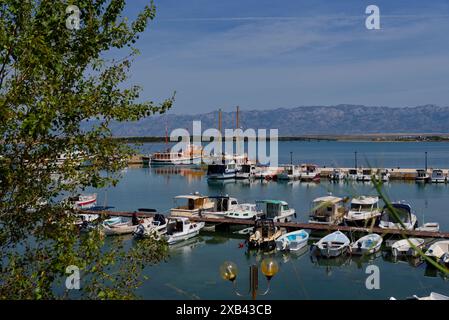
x=191, y=272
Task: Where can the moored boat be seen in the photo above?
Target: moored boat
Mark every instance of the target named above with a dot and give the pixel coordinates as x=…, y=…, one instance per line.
x=310, y=172
x=422, y=176
x=438, y=176
x=83, y=201
x=121, y=225
x=290, y=172
x=439, y=251
x=277, y=210
x=244, y=211
x=181, y=228
x=191, y=205
x=337, y=175
x=154, y=226
x=368, y=244
x=292, y=241
x=246, y=171
x=407, y=247
x=333, y=245
x=264, y=235
x=363, y=211
x=353, y=174
x=366, y=175
x=398, y=216
x=327, y=210
x=191, y=154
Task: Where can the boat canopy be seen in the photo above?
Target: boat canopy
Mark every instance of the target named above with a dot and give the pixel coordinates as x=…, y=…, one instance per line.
x=402, y=210
x=190, y=196
x=365, y=200
x=328, y=199
x=280, y=202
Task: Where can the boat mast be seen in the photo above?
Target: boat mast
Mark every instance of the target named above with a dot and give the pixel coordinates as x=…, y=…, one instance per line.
x=237, y=127
x=219, y=135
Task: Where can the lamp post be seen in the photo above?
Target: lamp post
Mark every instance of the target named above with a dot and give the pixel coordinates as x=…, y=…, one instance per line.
x=269, y=267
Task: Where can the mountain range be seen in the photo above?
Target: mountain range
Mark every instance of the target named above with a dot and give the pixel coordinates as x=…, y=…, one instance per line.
x=304, y=120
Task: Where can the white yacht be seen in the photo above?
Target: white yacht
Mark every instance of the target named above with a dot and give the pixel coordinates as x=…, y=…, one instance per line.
x=422, y=176
x=337, y=175
x=327, y=210
x=244, y=211
x=277, y=210
x=222, y=205
x=246, y=171
x=363, y=211
x=438, y=176
x=310, y=172
x=365, y=175
x=401, y=217
x=290, y=172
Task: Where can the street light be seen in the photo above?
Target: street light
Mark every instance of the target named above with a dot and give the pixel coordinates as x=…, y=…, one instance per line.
x=269, y=267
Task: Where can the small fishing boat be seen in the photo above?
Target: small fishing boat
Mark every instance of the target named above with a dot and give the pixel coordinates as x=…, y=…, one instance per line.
x=368, y=244
x=227, y=169
x=333, y=245
x=122, y=225
x=363, y=211
x=353, y=174
x=222, y=205
x=156, y=226
x=365, y=176
x=277, y=210
x=83, y=201
x=244, y=211
x=264, y=235
x=439, y=251
x=337, y=175
x=438, y=176
x=310, y=172
x=290, y=172
x=327, y=210
x=292, y=241
x=181, y=228
x=429, y=226
x=246, y=171
x=422, y=176
x=400, y=217
x=191, y=205
x=407, y=247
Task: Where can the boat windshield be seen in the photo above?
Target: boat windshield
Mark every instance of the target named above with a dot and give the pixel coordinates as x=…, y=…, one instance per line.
x=216, y=169
x=400, y=213
x=361, y=207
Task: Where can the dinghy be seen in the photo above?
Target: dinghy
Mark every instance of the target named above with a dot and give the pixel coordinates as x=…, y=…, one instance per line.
x=404, y=247
x=292, y=241
x=429, y=226
x=333, y=245
x=368, y=244
x=439, y=251
x=121, y=225
x=181, y=228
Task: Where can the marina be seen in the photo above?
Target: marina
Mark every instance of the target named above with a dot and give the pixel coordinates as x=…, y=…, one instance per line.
x=224, y=237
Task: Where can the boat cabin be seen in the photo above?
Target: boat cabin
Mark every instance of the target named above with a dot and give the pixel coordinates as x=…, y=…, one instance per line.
x=327, y=210
x=223, y=203
x=403, y=211
x=421, y=174
x=266, y=228
x=277, y=210
x=177, y=225
x=188, y=205
x=364, y=204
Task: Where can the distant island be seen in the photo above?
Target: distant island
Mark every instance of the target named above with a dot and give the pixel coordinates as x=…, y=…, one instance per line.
x=340, y=122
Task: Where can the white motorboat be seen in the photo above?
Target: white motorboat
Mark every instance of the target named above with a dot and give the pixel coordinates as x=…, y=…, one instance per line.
x=154, y=226
x=327, y=210
x=422, y=176
x=277, y=210
x=267, y=173
x=429, y=226
x=290, y=172
x=220, y=171
x=121, y=225
x=333, y=245
x=384, y=175
x=407, y=247
x=83, y=201
x=400, y=217
x=310, y=172
x=181, y=228
x=292, y=241
x=353, y=174
x=365, y=176
x=244, y=211
x=363, y=211
x=191, y=205
x=337, y=175
x=246, y=171
x=438, y=176
x=368, y=244
x=222, y=205
x=439, y=251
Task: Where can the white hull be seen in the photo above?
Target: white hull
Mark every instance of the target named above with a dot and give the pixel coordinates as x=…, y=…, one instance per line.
x=333, y=245
x=185, y=235
x=392, y=225
x=404, y=247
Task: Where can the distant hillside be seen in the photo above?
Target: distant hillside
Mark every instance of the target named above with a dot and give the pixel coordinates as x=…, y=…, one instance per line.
x=313, y=120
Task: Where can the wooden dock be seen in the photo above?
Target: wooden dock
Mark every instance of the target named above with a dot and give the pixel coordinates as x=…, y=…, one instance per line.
x=291, y=225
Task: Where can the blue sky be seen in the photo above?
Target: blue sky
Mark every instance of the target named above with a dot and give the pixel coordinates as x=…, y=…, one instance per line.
x=263, y=54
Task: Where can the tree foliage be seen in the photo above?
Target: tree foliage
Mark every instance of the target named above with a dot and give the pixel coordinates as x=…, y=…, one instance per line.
x=54, y=82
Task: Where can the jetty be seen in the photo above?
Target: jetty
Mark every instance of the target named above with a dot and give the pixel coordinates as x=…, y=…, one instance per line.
x=227, y=223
